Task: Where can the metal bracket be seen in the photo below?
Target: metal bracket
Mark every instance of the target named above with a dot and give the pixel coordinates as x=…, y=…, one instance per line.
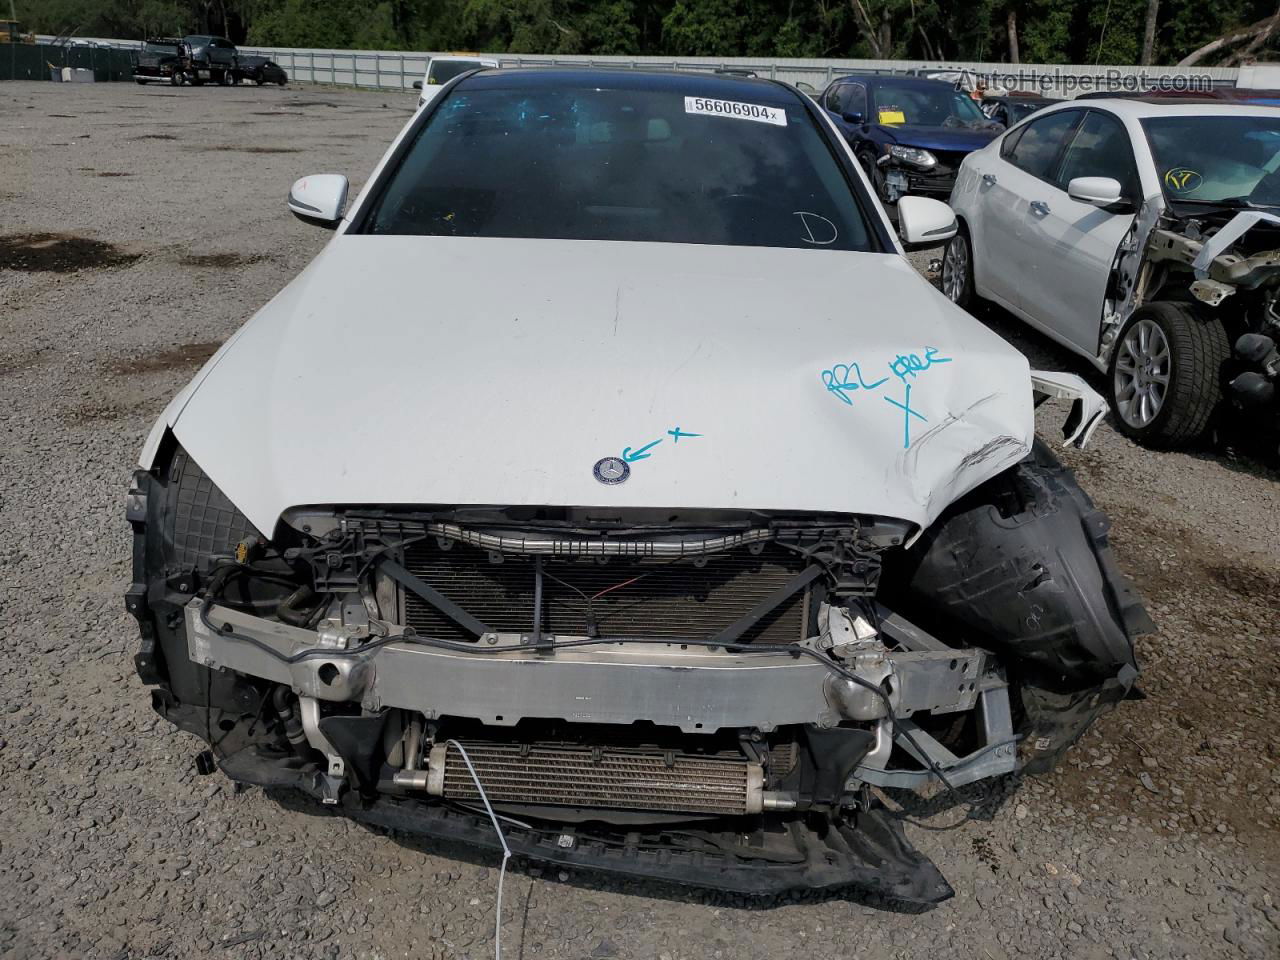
x=334, y=779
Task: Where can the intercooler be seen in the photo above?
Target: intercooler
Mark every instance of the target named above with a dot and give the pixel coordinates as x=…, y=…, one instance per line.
x=617, y=779
x=626, y=597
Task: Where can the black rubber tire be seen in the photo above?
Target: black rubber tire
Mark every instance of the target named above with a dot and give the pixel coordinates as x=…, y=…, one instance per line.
x=1200, y=348
x=966, y=299
x=226, y=79
x=141, y=83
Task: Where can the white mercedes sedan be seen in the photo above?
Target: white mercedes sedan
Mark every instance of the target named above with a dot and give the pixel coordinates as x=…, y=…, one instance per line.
x=611, y=490
x=1145, y=236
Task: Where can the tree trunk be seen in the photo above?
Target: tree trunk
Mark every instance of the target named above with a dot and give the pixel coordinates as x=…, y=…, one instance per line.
x=1011, y=24
x=1149, y=33
x=1256, y=43
x=886, y=32
x=1228, y=40
x=867, y=29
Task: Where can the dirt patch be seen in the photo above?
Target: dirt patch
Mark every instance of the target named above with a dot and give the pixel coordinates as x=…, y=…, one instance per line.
x=19, y=363
x=1247, y=582
x=59, y=253
x=276, y=113
x=114, y=173
x=175, y=358
x=62, y=116
x=89, y=413
x=222, y=261
x=1187, y=756
x=155, y=136
x=233, y=149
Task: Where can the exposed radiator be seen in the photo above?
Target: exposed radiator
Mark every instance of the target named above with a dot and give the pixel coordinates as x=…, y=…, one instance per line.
x=629, y=597
x=603, y=779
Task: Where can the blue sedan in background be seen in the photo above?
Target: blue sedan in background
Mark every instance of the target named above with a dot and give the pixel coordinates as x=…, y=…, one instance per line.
x=910, y=134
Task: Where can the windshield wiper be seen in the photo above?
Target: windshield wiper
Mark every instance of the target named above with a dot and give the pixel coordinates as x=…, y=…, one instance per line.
x=1224, y=202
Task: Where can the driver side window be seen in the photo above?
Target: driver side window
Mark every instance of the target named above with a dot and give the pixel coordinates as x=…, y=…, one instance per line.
x=1101, y=148
x=855, y=99
x=1038, y=148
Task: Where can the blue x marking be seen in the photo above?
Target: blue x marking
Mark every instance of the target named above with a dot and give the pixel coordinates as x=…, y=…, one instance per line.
x=907, y=414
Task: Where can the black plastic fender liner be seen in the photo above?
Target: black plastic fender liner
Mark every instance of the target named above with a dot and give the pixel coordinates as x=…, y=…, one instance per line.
x=1054, y=720
x=181, y=521
x=1022, y=566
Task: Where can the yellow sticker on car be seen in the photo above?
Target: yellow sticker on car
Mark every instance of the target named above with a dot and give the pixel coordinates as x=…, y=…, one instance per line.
x=1182, y=179
x=892, y=116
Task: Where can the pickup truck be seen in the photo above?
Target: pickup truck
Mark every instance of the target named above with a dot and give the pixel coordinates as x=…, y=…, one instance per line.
x=158, y=61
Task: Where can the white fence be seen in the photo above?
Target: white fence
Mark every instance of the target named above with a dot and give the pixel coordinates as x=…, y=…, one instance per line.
x=397, y=70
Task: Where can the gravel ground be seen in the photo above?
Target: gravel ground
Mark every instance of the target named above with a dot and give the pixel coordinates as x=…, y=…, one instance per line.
x=138, y=228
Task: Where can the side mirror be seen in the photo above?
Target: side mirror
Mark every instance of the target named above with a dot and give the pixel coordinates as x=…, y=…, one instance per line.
x=852, y=117
x=924, y=222
x=1099, y=191
x=319, y=199
x=417, y=84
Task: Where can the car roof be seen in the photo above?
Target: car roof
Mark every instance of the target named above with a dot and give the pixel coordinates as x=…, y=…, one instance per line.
x=712, y=85
x=897, y=79
x=1155, y=107
x=454, y=57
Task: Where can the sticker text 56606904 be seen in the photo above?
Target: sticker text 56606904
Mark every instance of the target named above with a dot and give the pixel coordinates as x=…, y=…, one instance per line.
x=736, y=110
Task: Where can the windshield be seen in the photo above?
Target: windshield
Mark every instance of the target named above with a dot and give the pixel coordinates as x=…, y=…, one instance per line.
x=1222, y=159
x=926, y=105
x=640, y=165
x=442, y=71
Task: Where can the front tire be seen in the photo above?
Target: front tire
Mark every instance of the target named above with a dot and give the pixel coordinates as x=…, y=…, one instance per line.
x=1165, y=373
x=957, y=270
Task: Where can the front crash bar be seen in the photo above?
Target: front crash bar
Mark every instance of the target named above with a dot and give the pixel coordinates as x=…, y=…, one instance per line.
x=694, y=689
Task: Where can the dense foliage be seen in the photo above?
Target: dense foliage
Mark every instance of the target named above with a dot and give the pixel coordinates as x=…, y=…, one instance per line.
x=1031, y=31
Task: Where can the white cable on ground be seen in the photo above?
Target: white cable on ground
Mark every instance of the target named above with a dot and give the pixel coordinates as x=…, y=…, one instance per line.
x=506, y=851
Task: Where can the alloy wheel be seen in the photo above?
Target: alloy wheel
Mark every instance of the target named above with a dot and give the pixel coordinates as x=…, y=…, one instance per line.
x=955, y=268
x=1143, y=367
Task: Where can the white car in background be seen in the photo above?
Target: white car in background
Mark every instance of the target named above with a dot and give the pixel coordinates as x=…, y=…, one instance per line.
x=1143, y=235
x=440, y=70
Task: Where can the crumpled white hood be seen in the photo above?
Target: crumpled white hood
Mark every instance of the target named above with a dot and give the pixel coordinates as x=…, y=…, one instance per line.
x=434, y=370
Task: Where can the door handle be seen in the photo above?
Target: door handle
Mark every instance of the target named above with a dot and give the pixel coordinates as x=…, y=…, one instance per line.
x=1040, y=207
x=989, y=179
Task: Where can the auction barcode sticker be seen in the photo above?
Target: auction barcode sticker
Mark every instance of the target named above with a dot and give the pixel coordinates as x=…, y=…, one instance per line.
x=733, y=108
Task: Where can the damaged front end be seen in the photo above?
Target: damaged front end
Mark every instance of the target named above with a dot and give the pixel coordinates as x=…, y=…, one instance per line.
x=1223, y=264
x=704, y=696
